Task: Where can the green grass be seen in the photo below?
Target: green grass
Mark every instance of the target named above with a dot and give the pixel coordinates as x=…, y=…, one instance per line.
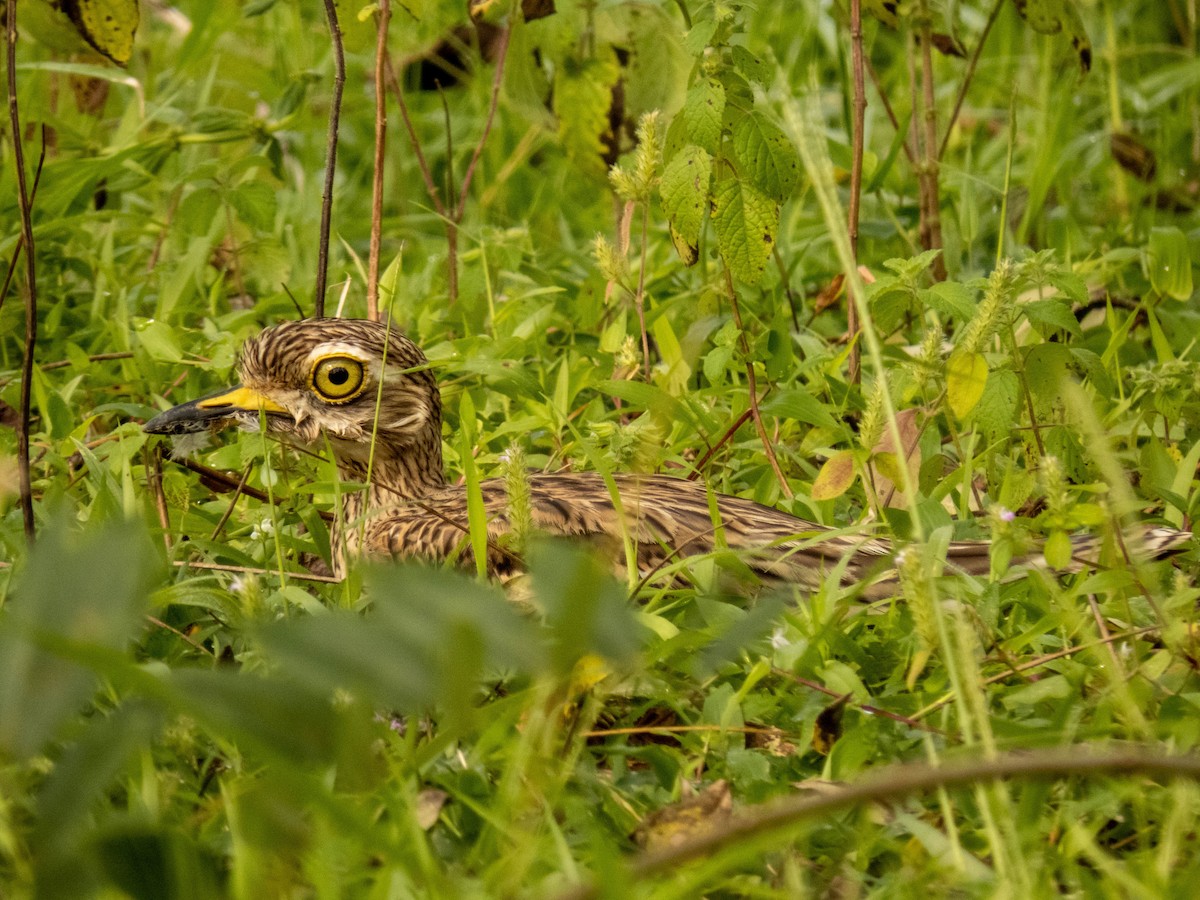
x=171, y=730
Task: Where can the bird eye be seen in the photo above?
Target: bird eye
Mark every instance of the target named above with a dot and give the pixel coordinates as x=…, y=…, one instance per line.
x=338, y=379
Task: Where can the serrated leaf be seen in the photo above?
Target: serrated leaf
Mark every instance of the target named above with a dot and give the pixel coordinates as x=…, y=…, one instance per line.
x=745, y=221
x=1169, y=260
x=753, y=67
x=255, y=202
x=950, y=298
x=966, y=378
x=1046, y=365
x=1053, y=313
x=684, y=191
x=1055, y=17
x=835, y=477
x=703, y=111
x=767, y=157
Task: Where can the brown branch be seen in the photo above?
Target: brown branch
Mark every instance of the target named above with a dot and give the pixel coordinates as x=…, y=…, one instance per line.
x=931, y=230
x=865, y=707
x=891, y=783
x=385, y=18
x=729, y=433
x=25, y=481
x=335, y=113
x=968, y=76
x=414, y=142
x=858, y=109
x=493, y=103
x=752, y=383
x=153, y=463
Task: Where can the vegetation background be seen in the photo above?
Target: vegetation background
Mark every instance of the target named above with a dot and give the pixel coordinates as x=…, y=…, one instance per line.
x=184, y=714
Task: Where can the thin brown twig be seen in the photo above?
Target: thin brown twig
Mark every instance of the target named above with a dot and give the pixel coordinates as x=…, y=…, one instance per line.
x=153, y=461
x=335, y=113
x=26, y=215
x=493, y=103
x=858, y=109
x=931, y=231
x=968, y=76
x=384, y=19
x=414, y=142
x=752, y=384
x=865, y=707
x=893, y=783
x=698, y=468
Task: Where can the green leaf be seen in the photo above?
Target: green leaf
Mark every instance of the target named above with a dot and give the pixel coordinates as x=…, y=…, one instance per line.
x=1058, y=550
x=78, y=592
x=1054, y=313
x=753, y=67
x=996, y=411
x=684, y=190
x=1055, y=17
x=582, y=98
x=799, y=405
x=950, y=298
x=835, y=477
x=702, y=113
x=966, y=378
x=767, y=157
x=255, y=204
x=745, y=221
x=1169, y=261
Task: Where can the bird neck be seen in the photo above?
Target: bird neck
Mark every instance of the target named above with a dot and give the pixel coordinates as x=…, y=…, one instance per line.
x=396, y=474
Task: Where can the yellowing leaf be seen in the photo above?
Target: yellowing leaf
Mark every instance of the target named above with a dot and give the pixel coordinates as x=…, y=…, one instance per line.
x=966, y=377
x=108, y=25
x=835, y=476
x=684, y=191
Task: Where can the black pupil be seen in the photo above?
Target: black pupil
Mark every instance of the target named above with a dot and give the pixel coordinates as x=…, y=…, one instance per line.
x=339, y=375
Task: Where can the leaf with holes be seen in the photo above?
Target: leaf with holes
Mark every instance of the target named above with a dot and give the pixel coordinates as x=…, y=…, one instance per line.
x=684, y=191
x=767, y=157
x=702, y=113
x=745, y=221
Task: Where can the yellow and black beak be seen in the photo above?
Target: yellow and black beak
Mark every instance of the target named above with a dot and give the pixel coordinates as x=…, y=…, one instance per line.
x=241, y=405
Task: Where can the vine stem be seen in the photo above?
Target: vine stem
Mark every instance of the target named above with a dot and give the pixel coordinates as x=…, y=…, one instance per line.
x=752, y=384
x=385, y=18
x=25, y=485
x=335, y=114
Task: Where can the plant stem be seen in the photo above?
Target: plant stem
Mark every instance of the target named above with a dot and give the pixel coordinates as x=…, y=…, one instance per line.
x=858, y=108
x=385, y=18
x=931, y=227
x=752, y=384
x=335, y=112
x=968, y=76
x=25, y=485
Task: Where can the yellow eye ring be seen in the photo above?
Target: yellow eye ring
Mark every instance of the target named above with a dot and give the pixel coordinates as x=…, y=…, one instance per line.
x=338, y=379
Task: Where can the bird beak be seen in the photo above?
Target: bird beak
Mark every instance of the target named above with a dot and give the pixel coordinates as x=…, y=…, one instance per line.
x=215, y=411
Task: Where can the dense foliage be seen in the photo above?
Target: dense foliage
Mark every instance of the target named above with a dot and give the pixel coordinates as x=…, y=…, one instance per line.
x=648, y=271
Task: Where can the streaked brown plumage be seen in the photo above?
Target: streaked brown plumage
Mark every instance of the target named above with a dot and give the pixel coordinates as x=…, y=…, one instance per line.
x=324, y=378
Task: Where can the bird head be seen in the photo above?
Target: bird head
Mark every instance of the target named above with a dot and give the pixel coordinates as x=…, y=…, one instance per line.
x=352, y=380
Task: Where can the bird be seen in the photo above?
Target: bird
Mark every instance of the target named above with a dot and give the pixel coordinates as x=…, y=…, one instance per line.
x=367, y=391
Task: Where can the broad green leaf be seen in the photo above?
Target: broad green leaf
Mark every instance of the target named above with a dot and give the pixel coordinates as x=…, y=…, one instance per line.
x=753, y=67
x=107, y=26
x=684, y=190
x=1058, y=550
x=78, y=592
x=767, y=157
x=996, y=411
x=702, y=113
x=1055, y=17
x=745, y=221
x=835, y=477
x=950, y=298
x=799, y=405
x=1169, y=260
x=1046, y=365
x=1053, y=313
x=966, y=378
